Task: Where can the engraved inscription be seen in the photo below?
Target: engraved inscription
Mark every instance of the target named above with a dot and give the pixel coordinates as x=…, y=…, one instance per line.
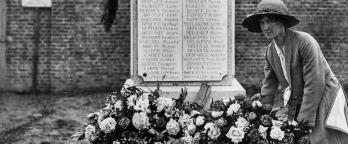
x=182, y=40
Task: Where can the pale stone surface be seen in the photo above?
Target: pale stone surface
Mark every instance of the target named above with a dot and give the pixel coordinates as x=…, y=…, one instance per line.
x=217, y=92
x=183, y=44
x=182, y=40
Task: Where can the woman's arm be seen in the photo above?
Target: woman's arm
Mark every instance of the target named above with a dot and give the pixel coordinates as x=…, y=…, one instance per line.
x=314, y=80
x=269, y=85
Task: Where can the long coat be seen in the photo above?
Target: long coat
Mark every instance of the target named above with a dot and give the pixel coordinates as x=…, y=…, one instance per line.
x=313, y=84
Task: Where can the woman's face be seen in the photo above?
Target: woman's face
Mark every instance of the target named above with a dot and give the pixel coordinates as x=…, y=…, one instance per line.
x=270, y=27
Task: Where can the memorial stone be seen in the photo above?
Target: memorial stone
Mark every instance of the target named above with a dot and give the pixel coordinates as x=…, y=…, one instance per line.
x=184, y=43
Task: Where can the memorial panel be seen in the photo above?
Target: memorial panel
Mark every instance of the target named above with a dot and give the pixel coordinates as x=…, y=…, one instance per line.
x=160, y=40
x=182, y=40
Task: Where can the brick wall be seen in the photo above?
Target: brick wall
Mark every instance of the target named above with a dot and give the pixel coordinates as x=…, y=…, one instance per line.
x=76, y=53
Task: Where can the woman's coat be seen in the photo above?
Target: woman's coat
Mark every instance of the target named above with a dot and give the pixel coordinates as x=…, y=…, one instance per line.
x=313, y=85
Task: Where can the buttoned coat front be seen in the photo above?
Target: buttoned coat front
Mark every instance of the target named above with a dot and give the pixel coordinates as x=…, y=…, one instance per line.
x=313, y=84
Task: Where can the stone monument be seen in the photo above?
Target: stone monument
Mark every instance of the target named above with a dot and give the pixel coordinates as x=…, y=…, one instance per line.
x=184, y=43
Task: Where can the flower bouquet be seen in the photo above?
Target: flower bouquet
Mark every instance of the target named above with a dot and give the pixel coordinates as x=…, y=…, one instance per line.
x=134, y=116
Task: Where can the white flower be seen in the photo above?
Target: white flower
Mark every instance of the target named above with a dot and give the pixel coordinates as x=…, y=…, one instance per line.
x=242, y=123
x=188, y=139
x=140, y=120
x=116, y=142
x=194, y=112
x=169, y=112
x=233, y=109
x=173, y=127
x=212, y=130
x=220, y=122
x=235, y=134
x=197, y=136
x=294, y=123
x=108, y=125
x=277, y=133
x=142, y=104
x=118, y=105
x=256, y=104
x=263, y=131
x=191, y=129
x=102, y=114
x=200, y=120
x=226, y=100
x=128, y=83
x=277, y=123
x=232, y=98
x=164, y=103
x=216, y=114
x=131, y=101
x=90, y=133
x=185, y=120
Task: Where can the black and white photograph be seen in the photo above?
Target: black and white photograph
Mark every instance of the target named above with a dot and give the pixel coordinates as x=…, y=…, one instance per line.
x=173, y=72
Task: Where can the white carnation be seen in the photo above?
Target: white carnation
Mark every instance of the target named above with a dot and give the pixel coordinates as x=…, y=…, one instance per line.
x=185, y=120
x=188, y=139
x=277, y=123
x=173, y=127
x=294, y=123
x=191, y=129
x=277, y=133
x=131, y=101
x=140, y=120
x=194, y=112
x=164, y=103
x=90, y=133
x=256, y=104
x=233, y=109
x=242, y=122
x=142, y=104
x=235, y=134
x=118, y=105
x=263, y=131
x=200, y=120
x=128, y=83
x=226, y=100
x=108, y=125
x=216, y=114
x=212, y=130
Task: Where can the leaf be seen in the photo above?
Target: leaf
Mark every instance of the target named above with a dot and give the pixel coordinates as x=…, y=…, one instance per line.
x=78, y=136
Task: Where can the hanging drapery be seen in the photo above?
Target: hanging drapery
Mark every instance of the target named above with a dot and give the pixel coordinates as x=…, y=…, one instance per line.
x=109, y=15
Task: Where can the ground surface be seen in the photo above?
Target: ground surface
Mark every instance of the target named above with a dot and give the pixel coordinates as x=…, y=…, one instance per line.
x=45, y=119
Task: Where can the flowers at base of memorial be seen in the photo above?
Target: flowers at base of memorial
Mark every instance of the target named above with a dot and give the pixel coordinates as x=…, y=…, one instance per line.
x=134, y=116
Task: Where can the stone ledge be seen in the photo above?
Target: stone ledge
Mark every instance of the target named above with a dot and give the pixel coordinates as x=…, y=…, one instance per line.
x=216, y=91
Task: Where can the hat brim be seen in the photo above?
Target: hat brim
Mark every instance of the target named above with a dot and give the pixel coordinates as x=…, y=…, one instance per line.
x=252, y=21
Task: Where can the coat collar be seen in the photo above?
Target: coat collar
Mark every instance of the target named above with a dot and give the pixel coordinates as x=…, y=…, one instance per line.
x=287, y=54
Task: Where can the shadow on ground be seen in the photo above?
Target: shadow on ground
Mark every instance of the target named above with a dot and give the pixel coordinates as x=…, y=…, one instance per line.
x=45, y=119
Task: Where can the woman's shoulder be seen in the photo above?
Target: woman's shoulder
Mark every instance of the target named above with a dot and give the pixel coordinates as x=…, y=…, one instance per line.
x=303, y=37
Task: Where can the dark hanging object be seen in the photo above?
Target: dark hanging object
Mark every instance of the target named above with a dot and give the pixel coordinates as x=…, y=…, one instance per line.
x=109, y=15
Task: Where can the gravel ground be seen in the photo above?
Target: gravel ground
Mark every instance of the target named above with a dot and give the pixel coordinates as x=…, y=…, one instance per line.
x=45, y=119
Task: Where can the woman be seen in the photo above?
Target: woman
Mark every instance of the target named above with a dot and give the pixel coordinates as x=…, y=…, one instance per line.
x=297, y=73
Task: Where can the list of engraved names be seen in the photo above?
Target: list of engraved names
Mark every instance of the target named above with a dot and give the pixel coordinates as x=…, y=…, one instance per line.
x=182, y=40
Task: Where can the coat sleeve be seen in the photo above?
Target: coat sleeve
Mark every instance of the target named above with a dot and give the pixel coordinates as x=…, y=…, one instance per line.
x=270, y=83
x=314, y=80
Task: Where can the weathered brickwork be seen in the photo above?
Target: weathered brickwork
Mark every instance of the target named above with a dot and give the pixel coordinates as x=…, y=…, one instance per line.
x=77, y=54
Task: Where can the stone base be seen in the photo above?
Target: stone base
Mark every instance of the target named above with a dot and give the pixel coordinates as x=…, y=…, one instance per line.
x=216, y=91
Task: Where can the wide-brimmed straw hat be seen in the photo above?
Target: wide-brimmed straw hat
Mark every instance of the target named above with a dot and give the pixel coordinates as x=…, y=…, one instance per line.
x=269, y=7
